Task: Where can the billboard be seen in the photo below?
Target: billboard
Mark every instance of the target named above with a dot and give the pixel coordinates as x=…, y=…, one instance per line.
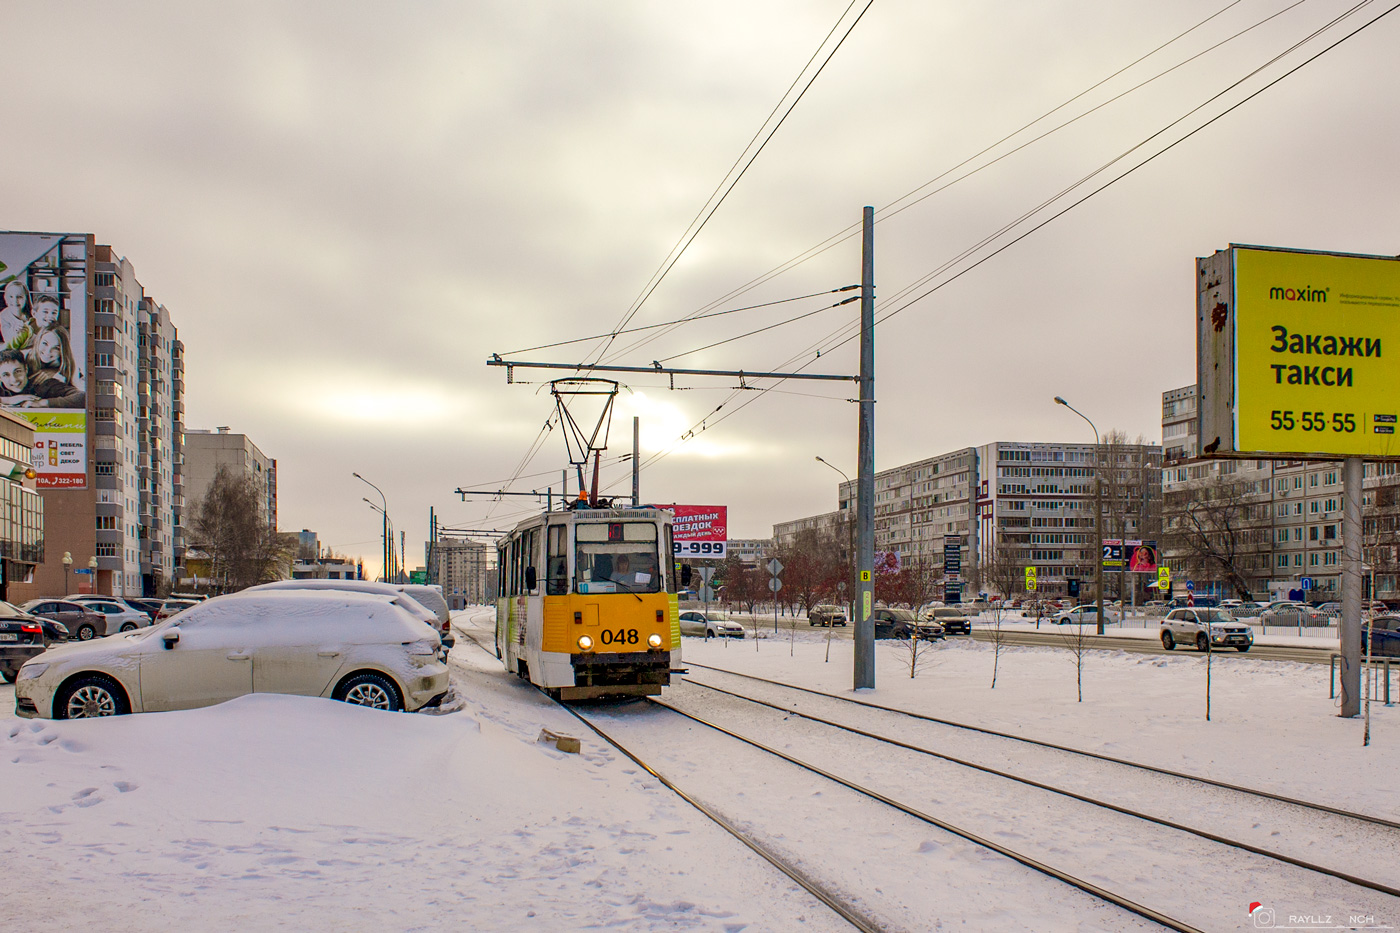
x=1291, y=358
x=43, y=349
x=700, y=530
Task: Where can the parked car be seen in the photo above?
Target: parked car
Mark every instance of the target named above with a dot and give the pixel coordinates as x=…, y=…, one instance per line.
x=1293, y=614
x=1385, y=636
x=1036, y=608
x=21, y=638
x=1184, y=602
x=69, y=616
x=173, y=606
x=150, y=607
x=709, y=625
x=362, y=648
x=369, y=586
x=1205, y=629
x=116, y=615
x=929, y=629
x=952, y=620
x=1084, y=615
x=826, y=615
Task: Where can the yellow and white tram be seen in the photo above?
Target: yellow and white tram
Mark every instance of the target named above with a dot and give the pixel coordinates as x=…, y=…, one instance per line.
x=589, y=602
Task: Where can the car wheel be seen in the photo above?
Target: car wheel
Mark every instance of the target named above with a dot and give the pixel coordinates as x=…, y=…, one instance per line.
x=9, y=675
x=1202, y=642
x=89, y=696
x=369, y=689
x=86, y=632
x=1242, y=648
x=129, y=627
x=1168, y=642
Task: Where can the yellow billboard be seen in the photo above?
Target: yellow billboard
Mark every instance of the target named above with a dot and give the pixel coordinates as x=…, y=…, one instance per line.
x=1317, y=354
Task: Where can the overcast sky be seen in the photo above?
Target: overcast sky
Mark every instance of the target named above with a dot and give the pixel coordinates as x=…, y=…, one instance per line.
x=348, y=206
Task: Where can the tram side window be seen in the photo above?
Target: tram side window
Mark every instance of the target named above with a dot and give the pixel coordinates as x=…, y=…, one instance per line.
x=557, y=560
x=529, y=558
x=616, y=557
x=502, y=571
x=669, y=561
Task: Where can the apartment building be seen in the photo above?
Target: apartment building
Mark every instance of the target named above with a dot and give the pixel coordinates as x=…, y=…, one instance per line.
x=463, y=570
x=753, y=551
x=1020, y=504
x=104, y=398
x=205, y=451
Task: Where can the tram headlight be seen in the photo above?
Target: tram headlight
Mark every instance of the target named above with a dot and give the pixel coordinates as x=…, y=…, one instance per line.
x=585, y=643
x=654, y=640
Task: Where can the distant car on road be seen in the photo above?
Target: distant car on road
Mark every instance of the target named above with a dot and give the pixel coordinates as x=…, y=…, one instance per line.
x=1205, y=629
x=1293, y=614
x=709, y=625
x=1385, y=636
x=1084, y=615
x=826, y=615
x=902, y=623
x=954, y=622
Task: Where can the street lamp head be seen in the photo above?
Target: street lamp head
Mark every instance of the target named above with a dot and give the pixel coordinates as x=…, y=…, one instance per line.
x=67, y=558
x=1060, y=401
x=92, y=563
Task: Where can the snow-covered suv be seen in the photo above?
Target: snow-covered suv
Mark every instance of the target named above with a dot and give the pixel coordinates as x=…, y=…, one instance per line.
x=1205, y=629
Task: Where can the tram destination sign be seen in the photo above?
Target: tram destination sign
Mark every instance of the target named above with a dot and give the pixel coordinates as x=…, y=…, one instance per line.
x=1298, y=354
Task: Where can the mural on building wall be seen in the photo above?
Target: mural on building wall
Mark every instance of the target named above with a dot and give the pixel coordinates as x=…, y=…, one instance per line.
x=43, y=349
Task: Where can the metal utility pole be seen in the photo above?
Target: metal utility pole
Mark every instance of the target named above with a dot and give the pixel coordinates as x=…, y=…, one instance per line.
x=636, y=461
x=864, y=674
x=1350, y=624
x=387, y=541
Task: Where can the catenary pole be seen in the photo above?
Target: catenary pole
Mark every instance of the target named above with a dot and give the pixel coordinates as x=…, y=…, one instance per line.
x=864, y=673
x=1351, y=587
x=636, y=461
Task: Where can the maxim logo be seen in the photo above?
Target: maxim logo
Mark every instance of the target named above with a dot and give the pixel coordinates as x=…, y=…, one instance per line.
x=1298, y=294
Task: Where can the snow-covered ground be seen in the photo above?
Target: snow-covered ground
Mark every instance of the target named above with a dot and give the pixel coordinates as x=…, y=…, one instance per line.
x=283, y=812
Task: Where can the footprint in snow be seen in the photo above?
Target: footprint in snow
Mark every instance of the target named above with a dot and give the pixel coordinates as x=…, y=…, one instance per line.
x=125, y=787
x=45, y=740
x=85, y=792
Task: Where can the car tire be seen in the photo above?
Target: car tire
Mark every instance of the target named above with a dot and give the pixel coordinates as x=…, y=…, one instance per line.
x=1242, y=648
x=1202, y=642
x=9, y=675
x=128, y=626
x=1168, y=642
x=89, y=696
x=85, y=632
x=369, y=688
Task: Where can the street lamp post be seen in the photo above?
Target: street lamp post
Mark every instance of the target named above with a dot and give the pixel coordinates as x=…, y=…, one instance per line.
x=67, y=565
x=387, y=541
x=850, y=538
x=92, y=574
x=387, y=574
x=1098, y=509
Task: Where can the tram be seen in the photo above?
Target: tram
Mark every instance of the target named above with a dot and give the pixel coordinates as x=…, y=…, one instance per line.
x=588, y=605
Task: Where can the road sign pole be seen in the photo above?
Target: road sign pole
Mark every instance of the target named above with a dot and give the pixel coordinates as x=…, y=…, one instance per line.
x=864, y=672
x=1350, y=623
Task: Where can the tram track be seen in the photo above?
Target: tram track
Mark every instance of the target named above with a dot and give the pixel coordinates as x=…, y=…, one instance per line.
x=1124, y=762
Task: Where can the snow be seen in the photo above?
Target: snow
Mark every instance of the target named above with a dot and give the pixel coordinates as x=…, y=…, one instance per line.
x=277, y=812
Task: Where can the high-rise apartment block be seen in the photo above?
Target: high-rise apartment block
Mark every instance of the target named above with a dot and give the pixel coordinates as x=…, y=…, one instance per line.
x=206, y=451
x=462, y=569
x=94, y=363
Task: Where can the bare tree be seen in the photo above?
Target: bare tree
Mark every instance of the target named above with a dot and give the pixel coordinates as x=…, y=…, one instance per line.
x=1005, y=573
x=1078, y=644
x=811, y=568
x=243, y=549
x=914, y=652
x=1217, y=532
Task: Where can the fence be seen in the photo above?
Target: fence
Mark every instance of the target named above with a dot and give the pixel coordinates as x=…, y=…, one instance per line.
x=1379, y=680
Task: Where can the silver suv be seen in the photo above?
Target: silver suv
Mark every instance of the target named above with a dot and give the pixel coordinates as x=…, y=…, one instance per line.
x=1205, y=629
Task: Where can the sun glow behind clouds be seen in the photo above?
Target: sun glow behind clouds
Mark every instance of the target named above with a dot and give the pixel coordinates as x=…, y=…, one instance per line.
x=663, y=423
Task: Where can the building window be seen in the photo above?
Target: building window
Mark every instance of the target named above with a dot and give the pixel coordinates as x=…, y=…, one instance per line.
x=106, y=550
x=106, y=522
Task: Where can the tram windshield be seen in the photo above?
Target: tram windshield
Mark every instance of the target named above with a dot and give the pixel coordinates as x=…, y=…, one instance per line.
x=616, y=557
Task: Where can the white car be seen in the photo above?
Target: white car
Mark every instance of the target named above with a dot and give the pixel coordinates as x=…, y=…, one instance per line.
x=710, y=625
x=357, y=647
x=1205, y=629
x=1084, y=615
x=120, y=616
x=437, y=619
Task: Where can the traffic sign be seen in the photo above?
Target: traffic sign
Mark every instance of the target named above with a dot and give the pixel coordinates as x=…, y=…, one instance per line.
x=865, y=576
x=775, y=567
x=1164, y=578
x=1190, y=586
x=775, y=584
x=1307, y=583
x=1030, y=579
x=704, y=573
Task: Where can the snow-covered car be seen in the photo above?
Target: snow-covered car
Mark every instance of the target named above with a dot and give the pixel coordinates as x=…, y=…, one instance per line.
x=1084, y=615
x=358, y=647
x=438, y=620
x=826, y=615
x=117, y=616
x=954, y=622
x=709, y=625
x=1205, y=629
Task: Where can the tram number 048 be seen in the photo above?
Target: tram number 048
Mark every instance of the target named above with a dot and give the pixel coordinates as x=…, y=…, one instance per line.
x=621, y=636
x=1342, y=422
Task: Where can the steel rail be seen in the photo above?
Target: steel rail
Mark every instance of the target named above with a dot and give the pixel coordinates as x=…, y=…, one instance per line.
x=1323, y=808
x=1087, y=887
x=1093, y=801
x=846, y=912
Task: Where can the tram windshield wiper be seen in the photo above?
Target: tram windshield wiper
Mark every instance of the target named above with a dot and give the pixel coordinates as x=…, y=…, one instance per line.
x=628, y=589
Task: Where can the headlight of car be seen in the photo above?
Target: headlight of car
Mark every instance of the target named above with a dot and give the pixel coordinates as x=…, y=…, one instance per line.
x=60, y=627
x=32, y=669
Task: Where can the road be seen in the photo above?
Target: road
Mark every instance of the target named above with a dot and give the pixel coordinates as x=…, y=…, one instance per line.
x=1060, y=639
